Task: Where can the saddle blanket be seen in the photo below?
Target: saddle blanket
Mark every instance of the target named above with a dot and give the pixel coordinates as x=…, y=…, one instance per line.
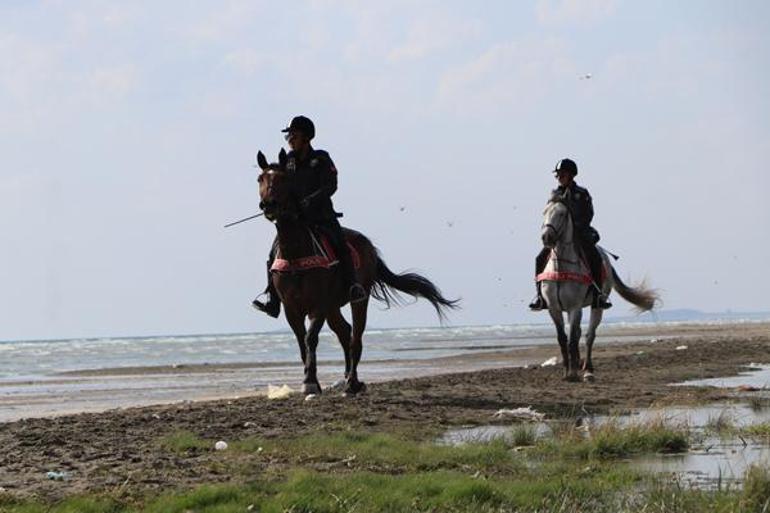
x=324, y=257
x=550, y=273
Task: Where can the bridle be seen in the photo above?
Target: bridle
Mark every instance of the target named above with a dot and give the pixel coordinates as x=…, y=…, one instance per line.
x=279, y=209
x=557, y=230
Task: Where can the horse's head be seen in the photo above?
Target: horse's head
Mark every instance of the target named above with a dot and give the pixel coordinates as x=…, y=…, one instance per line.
x=275, y=187
x=557, y=224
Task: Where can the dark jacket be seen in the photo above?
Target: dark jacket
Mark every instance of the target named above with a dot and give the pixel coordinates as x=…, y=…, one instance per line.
x=579, y=202
x=315, y=181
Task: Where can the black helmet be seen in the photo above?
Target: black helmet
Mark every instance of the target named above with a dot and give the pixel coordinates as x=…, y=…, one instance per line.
x=567, y=165
x=301, y=124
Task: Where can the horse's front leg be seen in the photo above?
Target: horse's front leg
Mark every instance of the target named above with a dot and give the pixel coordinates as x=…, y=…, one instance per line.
x=359, y=313
x=575, y=316
x=310, y=385
x=342, y=329
x=593, y=324
x=297, y=324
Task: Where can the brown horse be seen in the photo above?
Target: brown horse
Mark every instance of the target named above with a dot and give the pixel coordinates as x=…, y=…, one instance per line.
x=319, y=293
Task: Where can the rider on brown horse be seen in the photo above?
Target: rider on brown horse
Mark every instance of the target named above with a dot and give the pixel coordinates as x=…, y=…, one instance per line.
x=578, y=201
x=315, y=181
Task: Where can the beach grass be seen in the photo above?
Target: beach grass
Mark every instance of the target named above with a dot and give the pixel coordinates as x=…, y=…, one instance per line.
x=384, y=472
x=612, y=440
x=761, y=430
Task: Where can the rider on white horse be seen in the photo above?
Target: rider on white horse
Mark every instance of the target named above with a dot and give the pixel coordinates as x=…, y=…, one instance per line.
x=578, y=201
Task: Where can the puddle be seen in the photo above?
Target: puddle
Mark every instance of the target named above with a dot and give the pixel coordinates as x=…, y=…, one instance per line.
x=695, y=417
x=489, y=433
x=755, y=376
x=710, y=463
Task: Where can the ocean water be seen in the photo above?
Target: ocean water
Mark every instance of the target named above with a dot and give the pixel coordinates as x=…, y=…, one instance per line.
x=32, y=359
x=51, y=377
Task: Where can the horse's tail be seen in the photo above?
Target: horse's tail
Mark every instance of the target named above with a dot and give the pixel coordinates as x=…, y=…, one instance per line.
x=388, y=284
x=641, y=296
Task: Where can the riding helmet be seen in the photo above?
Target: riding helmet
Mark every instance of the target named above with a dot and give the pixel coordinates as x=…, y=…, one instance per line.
x=301, y=124
x=567, y=165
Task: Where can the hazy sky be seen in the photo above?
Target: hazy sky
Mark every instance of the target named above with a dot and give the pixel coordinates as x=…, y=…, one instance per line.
x=128, y=132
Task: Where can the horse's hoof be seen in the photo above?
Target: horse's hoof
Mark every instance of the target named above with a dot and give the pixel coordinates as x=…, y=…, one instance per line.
x=572, y=378
x=311, y=389
x=589, y=377
x=354, y=389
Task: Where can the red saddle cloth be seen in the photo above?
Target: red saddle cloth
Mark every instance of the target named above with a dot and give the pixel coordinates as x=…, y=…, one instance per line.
x=324, y=257
x=581, y=277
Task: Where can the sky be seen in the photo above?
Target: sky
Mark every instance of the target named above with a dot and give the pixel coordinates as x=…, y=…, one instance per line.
x=128, y=135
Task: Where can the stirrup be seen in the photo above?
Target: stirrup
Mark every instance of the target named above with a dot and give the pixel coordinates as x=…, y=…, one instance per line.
x=271, y=307
x=357, y=293
x=601, y=302
x=538, y=304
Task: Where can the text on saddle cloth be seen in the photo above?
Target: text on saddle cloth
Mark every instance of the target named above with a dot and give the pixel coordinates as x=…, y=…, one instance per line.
x=324, y=257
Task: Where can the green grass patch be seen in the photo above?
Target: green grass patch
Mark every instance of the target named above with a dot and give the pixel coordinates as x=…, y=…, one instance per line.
x=612, y=440
x=524, y=435
x=387, y=451
x=183, y=441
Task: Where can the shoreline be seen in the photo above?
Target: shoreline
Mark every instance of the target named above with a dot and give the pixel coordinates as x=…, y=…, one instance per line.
x=100, y=390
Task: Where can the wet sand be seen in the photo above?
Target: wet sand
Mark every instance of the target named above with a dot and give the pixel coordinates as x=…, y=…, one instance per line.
x=105, y=451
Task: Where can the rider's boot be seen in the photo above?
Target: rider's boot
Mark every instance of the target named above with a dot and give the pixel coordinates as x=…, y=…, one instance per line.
x=539, y=302
x=272, y=304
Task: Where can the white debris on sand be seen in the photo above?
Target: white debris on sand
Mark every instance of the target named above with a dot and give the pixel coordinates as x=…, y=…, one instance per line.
x=524, y=414
x=681, y=348
x=550, y=362
x=281, y=392
x=220, y=445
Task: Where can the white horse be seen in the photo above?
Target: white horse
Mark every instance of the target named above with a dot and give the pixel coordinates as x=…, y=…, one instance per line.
x=566, y=282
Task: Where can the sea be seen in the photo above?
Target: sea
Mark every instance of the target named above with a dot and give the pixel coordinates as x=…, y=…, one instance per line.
x=54, y=377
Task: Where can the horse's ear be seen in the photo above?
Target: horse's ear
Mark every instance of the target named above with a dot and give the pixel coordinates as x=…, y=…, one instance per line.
x=282, y=158
x=261, y=160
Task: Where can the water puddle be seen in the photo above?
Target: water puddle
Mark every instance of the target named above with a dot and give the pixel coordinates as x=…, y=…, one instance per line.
x=489, y=433
x=712, y=464
x=713, y=461
x=755, y=377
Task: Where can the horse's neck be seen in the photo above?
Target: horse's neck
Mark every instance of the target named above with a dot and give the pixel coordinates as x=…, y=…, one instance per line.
x=293, y=240
x=565, y=252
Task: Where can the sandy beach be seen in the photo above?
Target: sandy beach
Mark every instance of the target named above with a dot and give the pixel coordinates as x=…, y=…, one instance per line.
x=108, y=449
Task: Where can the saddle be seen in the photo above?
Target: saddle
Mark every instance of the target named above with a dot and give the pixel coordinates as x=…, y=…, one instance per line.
x=323, y=257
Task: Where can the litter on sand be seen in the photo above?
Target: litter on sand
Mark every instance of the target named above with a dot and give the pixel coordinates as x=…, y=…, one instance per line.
x=220, y=445
x=525, y=414
x=681, y=348
x=57, y=476
x=550, y=362
x=281, y=392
